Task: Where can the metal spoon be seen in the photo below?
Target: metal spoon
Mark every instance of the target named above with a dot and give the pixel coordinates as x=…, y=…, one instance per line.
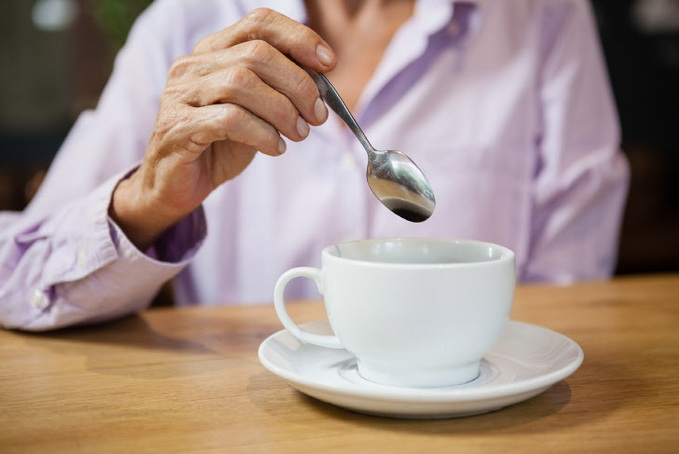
x=393, y=177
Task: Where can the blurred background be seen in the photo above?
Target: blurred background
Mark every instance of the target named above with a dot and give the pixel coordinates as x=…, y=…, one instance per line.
x=56, y=55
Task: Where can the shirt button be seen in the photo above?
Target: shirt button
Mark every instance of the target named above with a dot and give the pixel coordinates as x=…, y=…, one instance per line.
x=348, y=161
x=82, y=256
x=38, y=299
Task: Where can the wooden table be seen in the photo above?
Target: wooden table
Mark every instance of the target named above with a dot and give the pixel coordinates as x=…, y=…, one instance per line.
x=188, y=380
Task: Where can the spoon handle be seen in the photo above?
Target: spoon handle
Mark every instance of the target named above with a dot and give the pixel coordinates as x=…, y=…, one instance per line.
x=335, y=102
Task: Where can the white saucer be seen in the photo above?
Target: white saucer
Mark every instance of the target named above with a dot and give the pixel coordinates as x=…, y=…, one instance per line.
x=526, y=361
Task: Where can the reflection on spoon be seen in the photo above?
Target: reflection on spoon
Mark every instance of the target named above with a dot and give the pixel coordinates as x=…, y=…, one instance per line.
x=393, y=177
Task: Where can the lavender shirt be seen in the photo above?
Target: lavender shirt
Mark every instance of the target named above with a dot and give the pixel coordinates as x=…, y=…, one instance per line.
x=506, y=107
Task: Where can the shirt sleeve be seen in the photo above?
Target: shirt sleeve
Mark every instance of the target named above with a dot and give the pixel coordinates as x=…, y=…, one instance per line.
x=581, y=174
x=63, y=261
x=77, y=266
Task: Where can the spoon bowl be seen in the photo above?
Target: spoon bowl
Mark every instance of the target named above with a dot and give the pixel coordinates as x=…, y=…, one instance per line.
x=393, y=177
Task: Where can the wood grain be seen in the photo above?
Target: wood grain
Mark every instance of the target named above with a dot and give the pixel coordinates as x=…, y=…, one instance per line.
x=188, y=380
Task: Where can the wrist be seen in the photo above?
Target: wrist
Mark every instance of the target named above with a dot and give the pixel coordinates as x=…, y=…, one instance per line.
x=142, y=220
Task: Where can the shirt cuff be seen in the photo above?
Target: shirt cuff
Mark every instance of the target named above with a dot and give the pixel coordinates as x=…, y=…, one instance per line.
x=99, y=242
x=176, y=245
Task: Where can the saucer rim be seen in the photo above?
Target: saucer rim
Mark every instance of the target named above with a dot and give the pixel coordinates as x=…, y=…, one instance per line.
x=458, y=393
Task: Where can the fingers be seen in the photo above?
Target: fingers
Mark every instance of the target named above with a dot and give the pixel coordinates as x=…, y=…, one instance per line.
x=237, y=93
x=288, y=36
x=253, y=75
x=190, y=132
x=249, y=64
x=232, y=122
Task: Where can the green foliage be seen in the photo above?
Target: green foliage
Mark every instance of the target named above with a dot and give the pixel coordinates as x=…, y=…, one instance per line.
x=117, y=16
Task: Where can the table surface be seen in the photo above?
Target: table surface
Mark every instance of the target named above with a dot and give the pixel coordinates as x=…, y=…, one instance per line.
x=188, y=380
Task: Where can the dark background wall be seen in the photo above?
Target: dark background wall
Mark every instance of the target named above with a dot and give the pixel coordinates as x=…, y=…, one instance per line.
x=50, y=71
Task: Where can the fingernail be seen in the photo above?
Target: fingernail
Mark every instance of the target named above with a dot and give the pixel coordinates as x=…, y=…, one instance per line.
x=302, y=127
x=320, y=111
x=324, y=55
x=281, y=146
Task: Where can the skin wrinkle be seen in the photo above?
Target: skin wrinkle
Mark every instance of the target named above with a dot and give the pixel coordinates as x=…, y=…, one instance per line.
x=239, y=80
x=180, y=67
x=259, y=19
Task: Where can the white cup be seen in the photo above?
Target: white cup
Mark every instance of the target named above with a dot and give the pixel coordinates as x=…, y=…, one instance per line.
x=414, y=312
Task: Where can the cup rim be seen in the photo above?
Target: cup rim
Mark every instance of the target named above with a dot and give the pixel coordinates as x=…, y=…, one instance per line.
x=506, y=254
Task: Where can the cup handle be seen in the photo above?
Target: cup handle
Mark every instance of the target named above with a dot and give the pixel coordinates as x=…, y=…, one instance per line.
x=279, y=303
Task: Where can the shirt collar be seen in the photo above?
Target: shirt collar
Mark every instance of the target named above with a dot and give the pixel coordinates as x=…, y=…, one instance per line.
x=294, y=9
x=432, y=14
x=458, y=19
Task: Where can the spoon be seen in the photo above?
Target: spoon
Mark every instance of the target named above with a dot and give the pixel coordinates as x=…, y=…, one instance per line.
x=393, y=177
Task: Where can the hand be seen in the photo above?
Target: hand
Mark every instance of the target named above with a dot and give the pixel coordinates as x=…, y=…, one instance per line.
x=233, y=96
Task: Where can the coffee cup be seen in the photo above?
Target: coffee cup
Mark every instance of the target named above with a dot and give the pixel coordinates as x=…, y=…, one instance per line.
x=415, y=312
